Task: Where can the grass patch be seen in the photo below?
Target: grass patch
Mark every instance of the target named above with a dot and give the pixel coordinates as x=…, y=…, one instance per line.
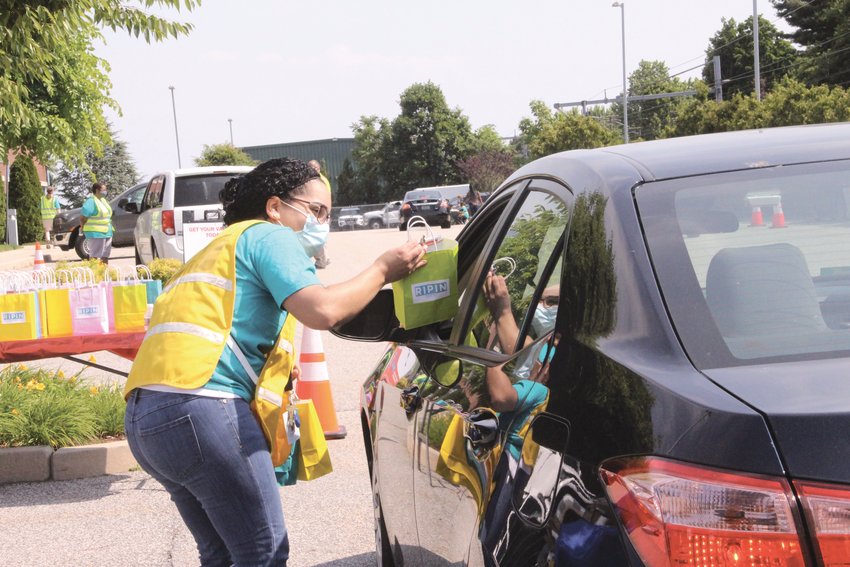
x=42, y=407
x=7, y=247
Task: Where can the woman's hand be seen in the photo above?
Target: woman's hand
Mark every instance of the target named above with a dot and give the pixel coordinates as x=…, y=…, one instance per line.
x=400, y=262
x=496, y=295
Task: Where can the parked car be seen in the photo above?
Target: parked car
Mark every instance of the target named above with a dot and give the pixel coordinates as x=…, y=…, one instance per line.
x=175, y=197
x=66, y=225
x=660, y=377
x=350, y=218
x=428, y=204
x=388, y=216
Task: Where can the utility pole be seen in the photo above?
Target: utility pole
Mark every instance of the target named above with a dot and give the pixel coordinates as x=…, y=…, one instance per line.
x=718, y=85
x=230, y=123
x=622, y=8
x=756, y=64
x=176, y=135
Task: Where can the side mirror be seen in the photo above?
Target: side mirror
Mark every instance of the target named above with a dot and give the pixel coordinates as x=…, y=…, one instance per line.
x=130, y=207
x=374, y=323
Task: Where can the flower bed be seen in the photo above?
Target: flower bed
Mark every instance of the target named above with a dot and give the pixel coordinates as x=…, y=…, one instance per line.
x=44, y=407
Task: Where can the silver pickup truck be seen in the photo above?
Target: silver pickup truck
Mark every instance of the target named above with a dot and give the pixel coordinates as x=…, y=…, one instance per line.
x=383, y=218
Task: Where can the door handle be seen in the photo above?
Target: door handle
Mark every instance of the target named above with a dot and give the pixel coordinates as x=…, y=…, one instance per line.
x=411, y=399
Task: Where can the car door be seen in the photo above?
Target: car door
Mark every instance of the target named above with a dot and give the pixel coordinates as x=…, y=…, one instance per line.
x=468, y=437
x=149, y=218
x=123, y=221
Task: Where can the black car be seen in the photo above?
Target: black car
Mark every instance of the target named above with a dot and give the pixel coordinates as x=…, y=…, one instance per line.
x=658, y=372
x=66, y=225
x=428, y=204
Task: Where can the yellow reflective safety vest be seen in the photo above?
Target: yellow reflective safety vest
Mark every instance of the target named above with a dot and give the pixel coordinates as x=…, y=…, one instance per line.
x=49, y=207
x=190, y=327
x=103, y=220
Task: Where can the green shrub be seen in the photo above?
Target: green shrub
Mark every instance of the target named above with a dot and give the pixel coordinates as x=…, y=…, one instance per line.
x=164, y=268
x=41, y=407
x=96, y=266
x=24, y=195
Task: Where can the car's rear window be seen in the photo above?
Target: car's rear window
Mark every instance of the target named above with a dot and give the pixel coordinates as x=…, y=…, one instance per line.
x=422, y=195
x=346, y=212
x=754, y=265
x=196, y=190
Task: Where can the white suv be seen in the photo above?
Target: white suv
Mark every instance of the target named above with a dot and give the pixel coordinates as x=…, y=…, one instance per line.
x=175, y=197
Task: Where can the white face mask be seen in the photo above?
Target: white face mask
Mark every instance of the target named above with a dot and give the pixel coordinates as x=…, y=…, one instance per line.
x=544, y=319
x=314, y=234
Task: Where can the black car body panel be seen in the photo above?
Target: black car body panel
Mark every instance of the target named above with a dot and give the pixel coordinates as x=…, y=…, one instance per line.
x=426, y=203
x=634, y=371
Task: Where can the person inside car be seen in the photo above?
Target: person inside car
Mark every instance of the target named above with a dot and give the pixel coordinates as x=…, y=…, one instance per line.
x=208, y=383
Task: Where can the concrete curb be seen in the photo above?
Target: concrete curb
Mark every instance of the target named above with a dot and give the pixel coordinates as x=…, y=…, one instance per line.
x=37, y=464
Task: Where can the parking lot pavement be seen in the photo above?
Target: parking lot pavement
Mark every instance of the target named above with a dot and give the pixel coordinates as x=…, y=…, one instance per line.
x=128, y=519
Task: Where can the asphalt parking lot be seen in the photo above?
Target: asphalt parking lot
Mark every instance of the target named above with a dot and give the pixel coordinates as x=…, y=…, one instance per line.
x=128, y=519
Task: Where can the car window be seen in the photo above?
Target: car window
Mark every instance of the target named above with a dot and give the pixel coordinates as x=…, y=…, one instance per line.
x=196, y=190
x=136, y=196
x=153, y=197
x=522, y=289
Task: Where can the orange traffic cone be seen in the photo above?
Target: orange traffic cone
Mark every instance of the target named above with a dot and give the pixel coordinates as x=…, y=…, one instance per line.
x=778, y=217
x=757, y=218
x=38, y=264
x=314, y=383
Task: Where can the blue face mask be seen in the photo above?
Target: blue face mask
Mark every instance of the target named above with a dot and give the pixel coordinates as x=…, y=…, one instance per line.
x=544, y=319
x=313, y=236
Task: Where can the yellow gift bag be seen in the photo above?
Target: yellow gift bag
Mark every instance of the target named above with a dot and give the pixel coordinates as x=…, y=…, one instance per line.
x=19, y=316
x=314, y=460
x=429, y=294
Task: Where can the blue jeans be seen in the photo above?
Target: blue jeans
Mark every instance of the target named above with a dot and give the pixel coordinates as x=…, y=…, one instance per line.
x=212, y=458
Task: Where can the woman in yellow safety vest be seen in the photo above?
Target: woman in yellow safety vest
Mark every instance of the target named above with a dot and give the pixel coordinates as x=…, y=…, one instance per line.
x=49, y=209
x=96, y=220
x=206, y=394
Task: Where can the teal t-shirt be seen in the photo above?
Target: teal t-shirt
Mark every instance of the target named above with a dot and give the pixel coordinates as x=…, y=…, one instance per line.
x=529, y=397
x=271, y=265
x=90, y=210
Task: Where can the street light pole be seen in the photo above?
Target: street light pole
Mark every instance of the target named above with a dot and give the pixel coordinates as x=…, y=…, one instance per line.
x=622, y=7
x=176, y=136
x=230, y=123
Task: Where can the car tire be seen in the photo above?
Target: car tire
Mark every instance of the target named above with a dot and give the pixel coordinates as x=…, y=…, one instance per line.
x=375, y=224
x=447, y=224
x=154, y=252
x=402, y=226
x=138, y=256
x=383, y=549
x=81, y=248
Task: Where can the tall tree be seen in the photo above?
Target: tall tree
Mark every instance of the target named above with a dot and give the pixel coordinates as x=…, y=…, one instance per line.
x=223, y=154
x=113, y=166
x=823, y=30
x=427, y=139
x=25, y=195
x=647, y=118
x=547, y=132
x=486, y=170
x=733, y=43
x=370, y=180
x=53, y=89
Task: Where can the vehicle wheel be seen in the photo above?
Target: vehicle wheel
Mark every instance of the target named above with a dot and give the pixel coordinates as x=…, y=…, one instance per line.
x=154, y=252
x=138, y=256
x=81, y=247
x=383, y=549
x=375, y=224
x=402, y=226
x=447, y=224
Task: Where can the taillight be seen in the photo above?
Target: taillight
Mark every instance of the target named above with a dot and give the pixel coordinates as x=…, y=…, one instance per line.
x=683, y=515
x=828, y=513
x=168, y=222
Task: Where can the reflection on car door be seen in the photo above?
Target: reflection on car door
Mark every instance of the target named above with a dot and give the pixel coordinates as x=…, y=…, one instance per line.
x=469, y=438
x=123, y=221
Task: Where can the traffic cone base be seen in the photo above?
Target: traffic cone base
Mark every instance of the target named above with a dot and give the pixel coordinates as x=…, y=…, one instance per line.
x=315, y=384
x=778, y=220
x=757, y=218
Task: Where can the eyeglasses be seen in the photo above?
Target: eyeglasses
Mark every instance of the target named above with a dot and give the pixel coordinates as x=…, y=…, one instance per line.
x=550, y=300
x=319, y=210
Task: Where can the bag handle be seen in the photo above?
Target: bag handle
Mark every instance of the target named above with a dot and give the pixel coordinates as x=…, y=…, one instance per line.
x=69, y=278
x=146, y=270
x=505, y=260
x=417, y=221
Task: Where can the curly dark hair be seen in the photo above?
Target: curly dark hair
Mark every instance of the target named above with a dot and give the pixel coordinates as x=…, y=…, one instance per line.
x=245, y=197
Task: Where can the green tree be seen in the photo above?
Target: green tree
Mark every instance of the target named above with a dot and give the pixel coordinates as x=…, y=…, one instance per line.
x=368, y=180
x=223, y=154
x=426, y=140
x=53, y=89
x=823, y=30
x=2, y=213
x=733, y=43
x=486, y=170
x=113, y=166
x=486, y=139
x=550, y=133
x=648, y=118
x=24, y=195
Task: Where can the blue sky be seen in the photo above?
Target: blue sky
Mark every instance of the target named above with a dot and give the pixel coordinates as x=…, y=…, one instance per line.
x=286, y=71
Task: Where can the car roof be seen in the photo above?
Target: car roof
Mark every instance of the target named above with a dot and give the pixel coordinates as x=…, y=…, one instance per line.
x=695, y=155
x=187, y=171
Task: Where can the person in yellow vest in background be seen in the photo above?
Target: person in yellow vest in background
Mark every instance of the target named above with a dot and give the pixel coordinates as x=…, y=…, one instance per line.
x=49, y=209
x=96, y=220
x=321, y=256
x=207, y=392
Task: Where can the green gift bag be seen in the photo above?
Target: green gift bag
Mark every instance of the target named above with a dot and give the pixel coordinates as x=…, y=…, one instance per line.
x=429, y=294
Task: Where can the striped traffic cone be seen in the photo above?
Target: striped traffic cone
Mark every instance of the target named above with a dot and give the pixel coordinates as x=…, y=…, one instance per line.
x=38, y=263
x=314, y=383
